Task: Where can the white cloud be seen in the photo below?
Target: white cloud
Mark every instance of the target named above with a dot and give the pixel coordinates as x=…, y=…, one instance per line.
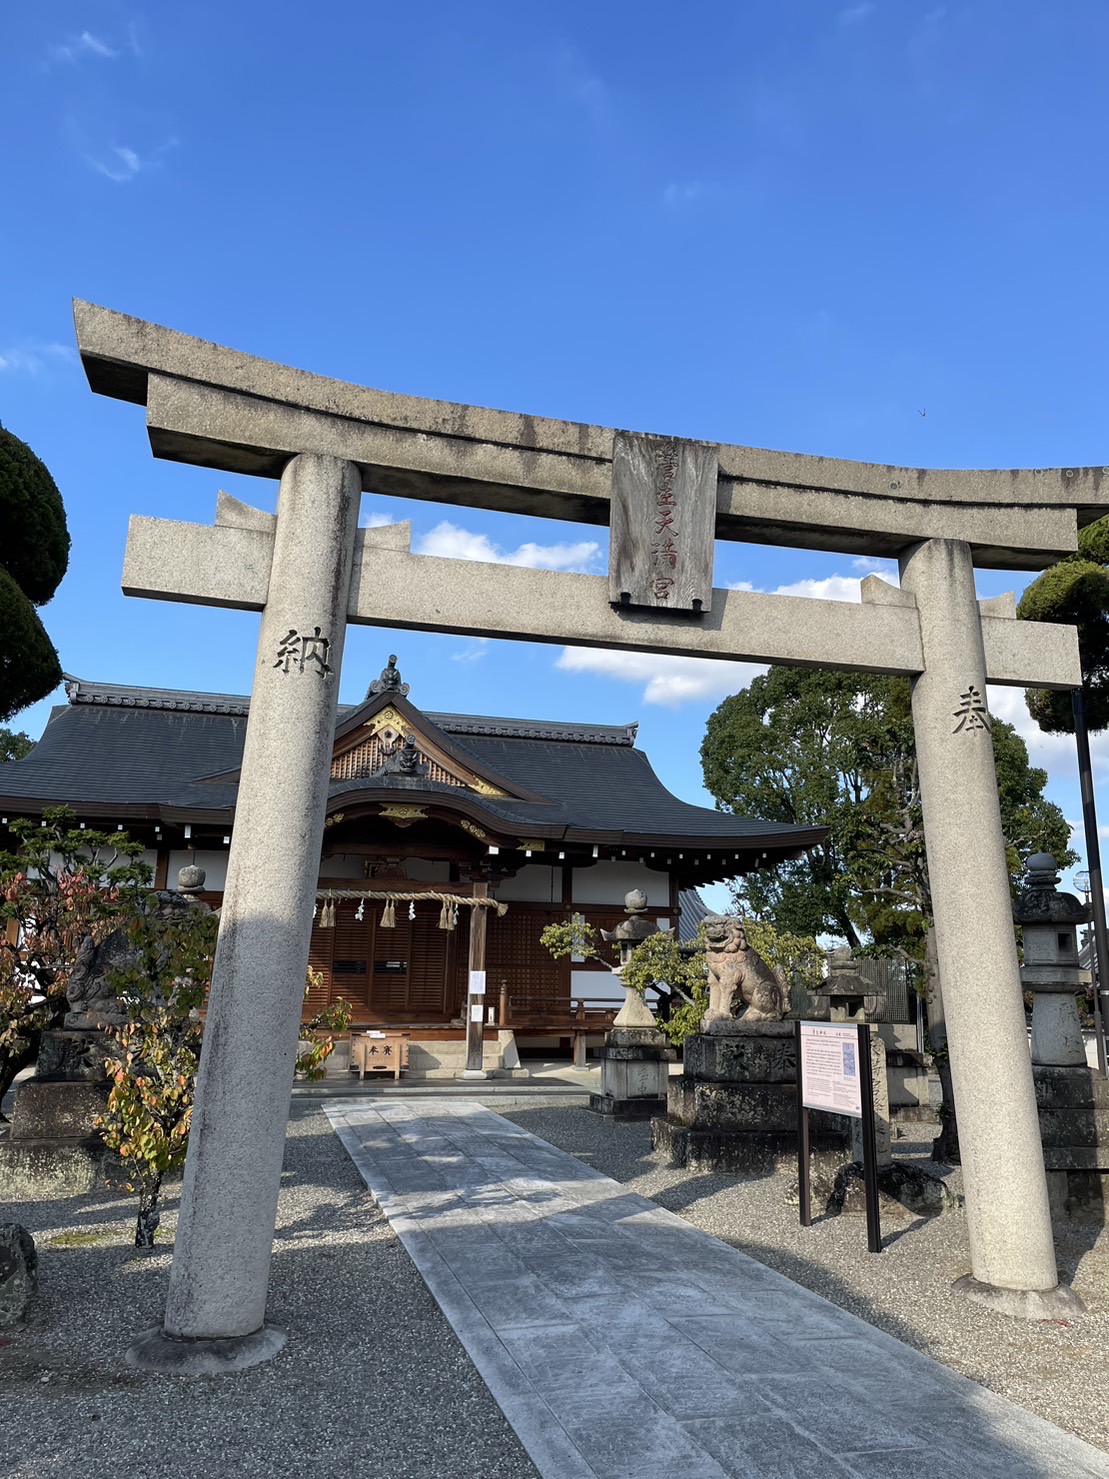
x=32, y=359
x=669, y=681
x=831, y=588
x=376, y=521
x=449, y=541
x=86, y=44
x=673, y=681
x=875, y=565
x=1055, y=753
x=853, y=14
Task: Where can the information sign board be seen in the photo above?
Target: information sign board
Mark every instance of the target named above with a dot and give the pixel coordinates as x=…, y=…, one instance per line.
x=830, y=1071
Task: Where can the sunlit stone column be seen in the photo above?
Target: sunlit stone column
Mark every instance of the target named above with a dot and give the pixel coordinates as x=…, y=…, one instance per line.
x=217, y=1294
x=1012, y=1254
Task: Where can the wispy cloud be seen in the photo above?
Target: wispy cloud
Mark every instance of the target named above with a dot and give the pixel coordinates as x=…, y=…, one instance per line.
x=32, y=359
x=579, y=81
x=473, y=651
x=376, y=521
x=448, y=540
x=121, y=164
x=853, y=14
x=73, y=48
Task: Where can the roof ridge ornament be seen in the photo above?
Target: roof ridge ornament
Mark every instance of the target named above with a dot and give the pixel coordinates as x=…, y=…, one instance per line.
x=389, y=680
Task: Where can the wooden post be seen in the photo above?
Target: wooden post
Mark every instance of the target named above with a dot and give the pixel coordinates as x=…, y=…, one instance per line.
x=502, y=1006
x=475, y=990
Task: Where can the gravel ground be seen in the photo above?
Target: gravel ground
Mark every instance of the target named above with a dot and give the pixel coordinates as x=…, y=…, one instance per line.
x=373, y=1379
x=1059, y=1369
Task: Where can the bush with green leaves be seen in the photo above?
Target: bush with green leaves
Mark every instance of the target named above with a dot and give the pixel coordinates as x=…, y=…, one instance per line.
x=316, y=1034
x=156, y=1051
x=678, y=973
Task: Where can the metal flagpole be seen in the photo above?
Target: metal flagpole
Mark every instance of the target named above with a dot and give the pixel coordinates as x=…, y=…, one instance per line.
x=1093, y=865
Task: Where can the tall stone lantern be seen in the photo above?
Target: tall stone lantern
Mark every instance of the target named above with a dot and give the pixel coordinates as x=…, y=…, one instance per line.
x=1049, y=921
x=635, y=1060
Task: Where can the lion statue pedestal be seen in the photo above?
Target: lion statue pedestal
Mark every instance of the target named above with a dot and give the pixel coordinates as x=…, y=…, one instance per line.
x=734, y=1107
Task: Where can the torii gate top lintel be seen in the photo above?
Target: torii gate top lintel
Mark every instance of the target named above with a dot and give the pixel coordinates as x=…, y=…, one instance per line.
x=220, y=408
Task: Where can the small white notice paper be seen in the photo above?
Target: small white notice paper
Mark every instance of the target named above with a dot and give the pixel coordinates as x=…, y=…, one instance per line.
x=829, y=1068
x=477, y=1012
x=477, y=983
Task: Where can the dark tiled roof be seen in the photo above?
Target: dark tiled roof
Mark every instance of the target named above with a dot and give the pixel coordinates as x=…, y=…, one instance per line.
x=144, y=751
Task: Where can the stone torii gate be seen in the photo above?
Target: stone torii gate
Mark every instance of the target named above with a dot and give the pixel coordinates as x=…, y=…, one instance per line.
x=309, y=570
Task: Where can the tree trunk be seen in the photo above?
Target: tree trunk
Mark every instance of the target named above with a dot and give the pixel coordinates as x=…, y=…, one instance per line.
x=146, y=1224
x=13, y=1063
x=945, y=1147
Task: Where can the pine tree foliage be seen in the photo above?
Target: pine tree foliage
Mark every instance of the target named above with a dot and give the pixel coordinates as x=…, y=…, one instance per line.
x=34, y=552
x=1075, y=591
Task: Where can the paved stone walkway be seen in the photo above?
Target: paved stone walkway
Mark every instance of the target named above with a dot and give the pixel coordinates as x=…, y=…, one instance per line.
x=623, y=1343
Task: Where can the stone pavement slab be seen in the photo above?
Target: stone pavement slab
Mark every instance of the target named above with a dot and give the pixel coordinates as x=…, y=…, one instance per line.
x=623, y=1343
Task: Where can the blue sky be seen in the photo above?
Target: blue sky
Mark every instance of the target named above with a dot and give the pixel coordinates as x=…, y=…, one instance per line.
x=870, y=229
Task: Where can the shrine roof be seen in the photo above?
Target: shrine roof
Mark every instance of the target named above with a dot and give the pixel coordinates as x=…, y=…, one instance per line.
x=127, y=752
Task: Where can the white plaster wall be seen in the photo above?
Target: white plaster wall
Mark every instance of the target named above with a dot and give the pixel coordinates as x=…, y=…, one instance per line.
x=601, y=986
x=214, y=864
x=534, y=884
x=607, y=883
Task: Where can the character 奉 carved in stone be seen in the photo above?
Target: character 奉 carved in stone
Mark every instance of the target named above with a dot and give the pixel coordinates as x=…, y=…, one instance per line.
x=738, y=973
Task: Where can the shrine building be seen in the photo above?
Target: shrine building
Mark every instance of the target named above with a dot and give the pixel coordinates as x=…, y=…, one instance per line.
x=429, y=817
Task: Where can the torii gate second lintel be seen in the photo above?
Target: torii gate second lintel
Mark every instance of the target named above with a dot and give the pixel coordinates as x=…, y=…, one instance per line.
x=310, y=571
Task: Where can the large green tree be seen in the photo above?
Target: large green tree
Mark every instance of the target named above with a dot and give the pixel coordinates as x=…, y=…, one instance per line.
x=34, y=552
x=14, y=744
x=836, y=750
x=1076, y=590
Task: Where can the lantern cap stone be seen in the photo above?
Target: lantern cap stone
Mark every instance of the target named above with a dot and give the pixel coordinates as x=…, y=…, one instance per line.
x=1041, y=901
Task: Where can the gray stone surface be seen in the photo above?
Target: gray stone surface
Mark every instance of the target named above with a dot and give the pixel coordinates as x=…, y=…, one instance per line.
x=227, y=566
x=220, y=408
x=18, y=1280
x=620, y=1341
x=225, y=1237
x=1006, y=1190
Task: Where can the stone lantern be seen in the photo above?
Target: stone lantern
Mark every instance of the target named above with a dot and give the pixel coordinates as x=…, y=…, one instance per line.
x=635, y=1060
x=1049, y=921
x=850, y=998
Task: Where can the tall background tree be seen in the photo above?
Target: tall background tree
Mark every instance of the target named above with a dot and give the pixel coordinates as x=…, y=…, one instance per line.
x=836, y=750
x=34, y=553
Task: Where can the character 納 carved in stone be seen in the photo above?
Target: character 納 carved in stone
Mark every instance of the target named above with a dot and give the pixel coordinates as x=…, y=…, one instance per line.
x=737, y=973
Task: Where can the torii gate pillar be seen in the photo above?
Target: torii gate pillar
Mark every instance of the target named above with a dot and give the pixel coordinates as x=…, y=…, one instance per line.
x=1008, y=1221
x=216, y=1307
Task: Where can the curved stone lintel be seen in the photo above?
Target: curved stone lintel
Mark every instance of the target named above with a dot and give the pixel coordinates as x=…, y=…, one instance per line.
x=1059, y=1303
x=154, y=1350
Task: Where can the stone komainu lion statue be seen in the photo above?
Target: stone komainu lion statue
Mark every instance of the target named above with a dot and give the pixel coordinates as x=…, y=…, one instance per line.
x=738, y=973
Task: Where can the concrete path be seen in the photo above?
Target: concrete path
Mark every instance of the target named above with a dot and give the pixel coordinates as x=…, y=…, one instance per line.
x=623, y=1343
